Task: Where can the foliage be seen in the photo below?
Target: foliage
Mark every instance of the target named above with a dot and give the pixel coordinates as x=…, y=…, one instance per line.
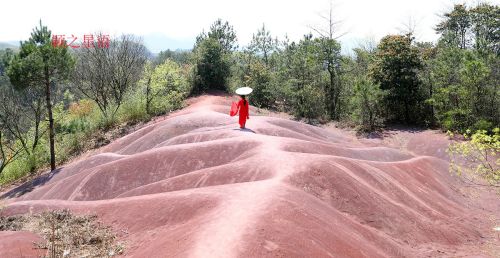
x=329, y=55
x=464, y=27
x=262, y=44
x=106, y=81
x=259, y=79
x=132, y=111
x=366, y=101
x=223, y=33
x=452, y=84
x=212, y=67
x=485, y=20
x=477, y=156
x=167, y=83
x=455, y=26
x=179, y=56
x=8, y=152
x=77, y=118
x=106, y=75
x=41, y=65
x=464, y=89
x=311, y=103
x=212, y=57
x=21, y=115
x=395, y=67
x=306, y=78
x=6, y=55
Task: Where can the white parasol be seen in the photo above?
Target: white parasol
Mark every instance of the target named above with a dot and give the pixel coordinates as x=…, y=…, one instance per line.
x=244, y=91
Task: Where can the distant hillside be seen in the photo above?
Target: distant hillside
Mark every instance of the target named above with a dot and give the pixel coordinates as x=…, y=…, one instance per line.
x=4, y=45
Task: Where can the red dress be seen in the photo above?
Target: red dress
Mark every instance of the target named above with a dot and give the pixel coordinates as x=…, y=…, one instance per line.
x=243, y=111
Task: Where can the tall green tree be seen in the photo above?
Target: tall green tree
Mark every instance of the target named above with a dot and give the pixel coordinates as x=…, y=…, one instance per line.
x=366, y=97
x=474, y=76
x=213, y=53
x=455, y=26
x=428, y=52
x=449, y=98
x=329, y=54
x=305, y=77
x=222, y=32
x=263, y=44
x=40, y=64
x=212, y=66
x=259, y=66
x=395, y=67
x=464, y=71
x=485, y=20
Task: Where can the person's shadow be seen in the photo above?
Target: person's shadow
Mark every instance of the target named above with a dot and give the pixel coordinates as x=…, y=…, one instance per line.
x=245, y=130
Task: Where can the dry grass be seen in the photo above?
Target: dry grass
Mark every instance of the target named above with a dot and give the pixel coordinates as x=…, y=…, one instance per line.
x=66, y=234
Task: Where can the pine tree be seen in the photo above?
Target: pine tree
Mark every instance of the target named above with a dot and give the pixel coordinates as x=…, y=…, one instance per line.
x=40, y=64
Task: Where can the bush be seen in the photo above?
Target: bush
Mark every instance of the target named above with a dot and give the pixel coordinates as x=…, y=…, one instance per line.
x=162, y=88
x=69, y=145
x=483, y=125
x=133, y=109
x=259, y=79
x=366, y=105
x=212, y=66
x=477, y=156
x=456, y=120
x=26, y=164
x=309, y=103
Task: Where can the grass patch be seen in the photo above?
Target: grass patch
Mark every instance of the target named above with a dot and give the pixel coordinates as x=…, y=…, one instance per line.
x=66, y=234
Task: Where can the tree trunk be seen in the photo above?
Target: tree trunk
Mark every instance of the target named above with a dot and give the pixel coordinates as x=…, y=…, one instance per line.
x=51, y=122
x=407, y=112
x=431, y=93
x=3, y=159
x=148, y=98
x=331, y=94
x=37, y=124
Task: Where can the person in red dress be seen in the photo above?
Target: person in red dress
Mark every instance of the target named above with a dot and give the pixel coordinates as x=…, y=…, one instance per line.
x=243, y=111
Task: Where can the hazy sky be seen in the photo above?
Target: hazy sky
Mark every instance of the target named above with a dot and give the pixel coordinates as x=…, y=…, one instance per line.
x=175, y=24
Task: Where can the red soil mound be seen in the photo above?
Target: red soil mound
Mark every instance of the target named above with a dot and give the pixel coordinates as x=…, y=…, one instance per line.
x=195, y=185
x=20, y=244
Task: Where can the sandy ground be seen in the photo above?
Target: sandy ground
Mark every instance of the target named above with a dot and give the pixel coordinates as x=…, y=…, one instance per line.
x=193, y=184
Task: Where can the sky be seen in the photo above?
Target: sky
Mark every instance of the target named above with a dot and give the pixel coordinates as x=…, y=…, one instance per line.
x=175, y=24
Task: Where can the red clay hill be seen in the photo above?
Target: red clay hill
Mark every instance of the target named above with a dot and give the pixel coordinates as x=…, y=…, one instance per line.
x=195, y=185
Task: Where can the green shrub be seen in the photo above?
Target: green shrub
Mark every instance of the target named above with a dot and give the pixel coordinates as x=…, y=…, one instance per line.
x=133, y=109
x=477, y=156
x=309, y=103
x=259, y=79
x=161, y=89
x=367, y=105
x=26, y=164
x=456, y=120
x=483, y=125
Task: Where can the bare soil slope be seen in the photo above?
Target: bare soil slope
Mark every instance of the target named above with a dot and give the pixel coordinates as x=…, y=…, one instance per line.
x=195, y=185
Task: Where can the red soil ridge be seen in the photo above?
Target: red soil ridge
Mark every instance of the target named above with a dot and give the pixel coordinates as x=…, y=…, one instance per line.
x=195, y=185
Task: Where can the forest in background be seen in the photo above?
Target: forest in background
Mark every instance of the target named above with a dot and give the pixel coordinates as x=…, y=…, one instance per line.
x=56, y=102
